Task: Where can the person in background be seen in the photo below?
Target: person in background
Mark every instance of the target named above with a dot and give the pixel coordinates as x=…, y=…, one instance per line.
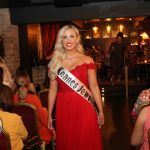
x=117, y=51
x=77, y=123
x=139, y=135
x=21, y=72
x=140, y=115
x=23, y=96
x=99, y=60
x=139, y=57
x=12, y=123
x=143, y=99
x=7, y=78
x=139, y=48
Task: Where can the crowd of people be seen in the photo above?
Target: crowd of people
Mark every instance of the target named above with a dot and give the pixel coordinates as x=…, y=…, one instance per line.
x=20, y=90
x=12, y=123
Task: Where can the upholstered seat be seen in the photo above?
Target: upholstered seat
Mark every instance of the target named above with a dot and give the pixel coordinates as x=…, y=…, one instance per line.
x=43, y=96
x=5, y=141
x=29, y=117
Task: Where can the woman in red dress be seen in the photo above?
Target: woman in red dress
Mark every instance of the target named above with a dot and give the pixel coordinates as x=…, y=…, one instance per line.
x=77, y=123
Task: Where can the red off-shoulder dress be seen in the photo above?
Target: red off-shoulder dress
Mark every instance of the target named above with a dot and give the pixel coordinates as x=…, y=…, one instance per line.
x=76, y=120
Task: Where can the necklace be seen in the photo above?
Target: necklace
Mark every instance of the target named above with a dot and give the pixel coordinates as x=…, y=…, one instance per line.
x=74, y=55
x=71, y=57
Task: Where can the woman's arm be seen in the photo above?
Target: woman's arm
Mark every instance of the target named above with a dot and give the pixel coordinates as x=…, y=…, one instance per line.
x=21, y=129
x=51, y=100
x=7, y=78
x=137, y=133
x=93, y=84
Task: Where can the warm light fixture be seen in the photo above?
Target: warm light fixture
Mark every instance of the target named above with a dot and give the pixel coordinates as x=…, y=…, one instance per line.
x=95, y=29
x=108, y=19
x=130, y=19
x=144, y=36
x=96, y=32
x=121, y=28
x=108, y=28
x=88, y=37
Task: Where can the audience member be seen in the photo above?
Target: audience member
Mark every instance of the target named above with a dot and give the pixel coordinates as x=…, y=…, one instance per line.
x=7, y=78
x=22, y=96
x=139, y=135
x=21, y=74
x=12, y=123
x=143, y=99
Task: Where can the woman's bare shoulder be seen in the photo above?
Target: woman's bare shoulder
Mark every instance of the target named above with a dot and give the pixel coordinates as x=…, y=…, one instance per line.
x=143, y=113
x=87, y=59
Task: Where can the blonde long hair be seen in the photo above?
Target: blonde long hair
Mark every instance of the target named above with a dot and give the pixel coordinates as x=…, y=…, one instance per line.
x=59, y=53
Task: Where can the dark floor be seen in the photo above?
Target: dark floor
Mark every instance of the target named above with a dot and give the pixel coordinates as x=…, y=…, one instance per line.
x=118, y=125
x=117, y=128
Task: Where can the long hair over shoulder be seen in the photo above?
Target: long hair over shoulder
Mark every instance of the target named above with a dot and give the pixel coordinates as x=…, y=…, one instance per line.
x=59, y=51
x=6, y=97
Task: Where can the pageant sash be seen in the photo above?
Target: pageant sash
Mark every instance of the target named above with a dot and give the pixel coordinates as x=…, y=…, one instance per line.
x=77, y=86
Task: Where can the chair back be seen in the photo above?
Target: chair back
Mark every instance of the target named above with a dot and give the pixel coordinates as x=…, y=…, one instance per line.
x=5, y=141
x=28, y=114
x=4, y=138
x=43, y=96
x=29, y=117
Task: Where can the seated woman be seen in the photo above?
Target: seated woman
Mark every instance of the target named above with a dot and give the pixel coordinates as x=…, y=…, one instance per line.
x=21, y=71
x=139, y=135
x=12, y=123
x=42, y=114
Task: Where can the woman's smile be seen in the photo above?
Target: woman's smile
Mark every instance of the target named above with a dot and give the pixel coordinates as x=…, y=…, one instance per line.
x=69, y=39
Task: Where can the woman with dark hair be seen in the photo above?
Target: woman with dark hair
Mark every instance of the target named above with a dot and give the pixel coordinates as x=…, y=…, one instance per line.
x=12, y=123
x=21, y=72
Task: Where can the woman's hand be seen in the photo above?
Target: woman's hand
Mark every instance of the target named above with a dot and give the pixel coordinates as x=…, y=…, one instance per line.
x=100, y=119
x=54, y=133
x=50, y=126
x=3, y=65
x=50, y=122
